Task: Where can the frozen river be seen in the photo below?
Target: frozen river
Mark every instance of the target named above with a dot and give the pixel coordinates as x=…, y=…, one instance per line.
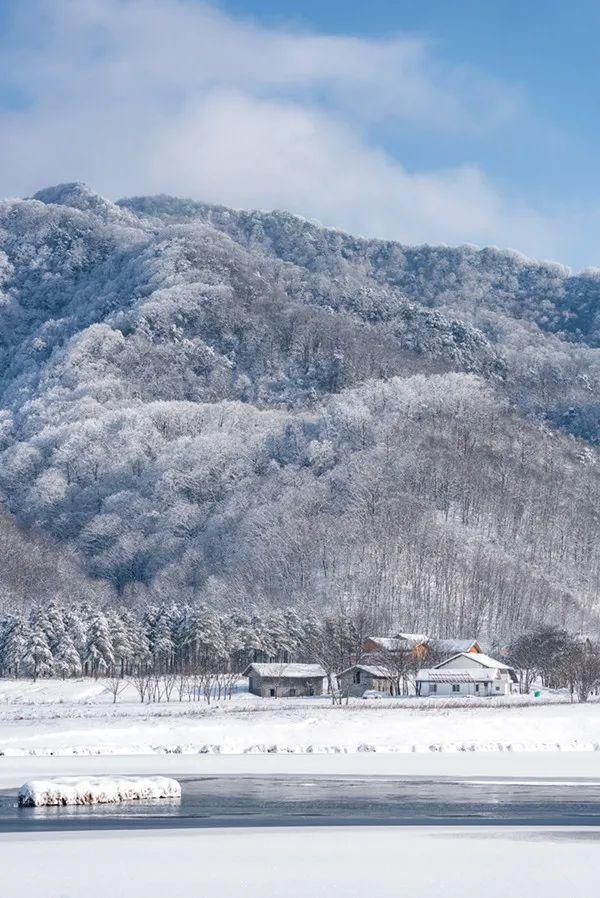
x=287, y=800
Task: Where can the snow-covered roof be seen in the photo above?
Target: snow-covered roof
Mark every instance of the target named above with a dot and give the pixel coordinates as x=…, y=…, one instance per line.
x=286, y=671
x=399, y=642
x=413, y=638
x=478, y=658
x=452, y=646
x=388, y=643
x=456, y=675
x=372, y=669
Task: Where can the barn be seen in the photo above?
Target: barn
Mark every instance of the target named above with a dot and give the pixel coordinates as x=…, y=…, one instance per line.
x=272, y=680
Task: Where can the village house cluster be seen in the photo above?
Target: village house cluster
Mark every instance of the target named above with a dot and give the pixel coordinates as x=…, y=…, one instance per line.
x=436, y=667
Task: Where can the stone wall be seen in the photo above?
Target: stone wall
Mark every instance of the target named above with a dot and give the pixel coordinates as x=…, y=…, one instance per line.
x=272, y=687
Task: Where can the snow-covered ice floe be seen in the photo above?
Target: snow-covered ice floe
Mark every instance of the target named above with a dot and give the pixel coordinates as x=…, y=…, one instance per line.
x=98, y=790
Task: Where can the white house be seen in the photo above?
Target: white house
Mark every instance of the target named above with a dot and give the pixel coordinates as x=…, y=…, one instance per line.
x=467, y=673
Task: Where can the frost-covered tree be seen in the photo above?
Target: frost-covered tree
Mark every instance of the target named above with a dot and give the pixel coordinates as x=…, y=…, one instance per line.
x=14, y=640
x=38, y=658
x=99, y=655
x=247, y=411
x=66, y=658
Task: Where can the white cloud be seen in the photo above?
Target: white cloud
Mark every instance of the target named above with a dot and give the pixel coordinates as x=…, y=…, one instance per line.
x=172, y=96
x=269, y=153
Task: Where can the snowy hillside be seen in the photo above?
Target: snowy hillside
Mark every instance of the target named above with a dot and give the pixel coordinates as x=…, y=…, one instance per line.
x=245, y=407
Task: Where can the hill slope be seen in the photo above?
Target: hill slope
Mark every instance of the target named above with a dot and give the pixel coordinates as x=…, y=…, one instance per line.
x=245, y=406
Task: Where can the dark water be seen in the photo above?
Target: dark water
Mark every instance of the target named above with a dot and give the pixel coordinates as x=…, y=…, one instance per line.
x=209, y=801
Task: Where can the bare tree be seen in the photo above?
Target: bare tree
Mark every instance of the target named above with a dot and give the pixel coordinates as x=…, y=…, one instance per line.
x=115, y=684
x=540, y=653
x=582, y=668
x=142, y=680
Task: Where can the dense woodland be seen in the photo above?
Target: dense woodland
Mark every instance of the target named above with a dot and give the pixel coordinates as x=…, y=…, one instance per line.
x=244, y=410
x=193, y=652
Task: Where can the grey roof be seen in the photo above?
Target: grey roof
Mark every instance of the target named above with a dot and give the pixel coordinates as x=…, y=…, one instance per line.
x=371, y=669
x=452, y=646
x=286, y=671
x=456, y=675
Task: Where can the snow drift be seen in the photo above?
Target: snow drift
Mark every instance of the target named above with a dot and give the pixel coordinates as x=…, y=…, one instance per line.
x=99, y=790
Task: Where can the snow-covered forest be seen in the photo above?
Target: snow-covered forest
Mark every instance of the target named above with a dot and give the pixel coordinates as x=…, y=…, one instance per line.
x=54, y=640
x=229, y=410
x=159, y=647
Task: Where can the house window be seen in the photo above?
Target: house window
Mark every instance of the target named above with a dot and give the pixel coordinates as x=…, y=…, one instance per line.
x=272, y=693
x=357, y=676
x=311, y=690
x=456, y=687
x=476, y=687
x=292, y=692
x=433, y=687
x=497, y=689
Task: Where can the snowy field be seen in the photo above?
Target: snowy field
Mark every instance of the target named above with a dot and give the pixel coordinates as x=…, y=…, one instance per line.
x=54, y=729
x=78, y=718
x=301, y=862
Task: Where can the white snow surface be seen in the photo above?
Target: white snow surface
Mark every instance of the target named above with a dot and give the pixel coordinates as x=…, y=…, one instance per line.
x=296, y=862
x=478, y=658
x=77, y=717
x=287, y=671
x=96, y=790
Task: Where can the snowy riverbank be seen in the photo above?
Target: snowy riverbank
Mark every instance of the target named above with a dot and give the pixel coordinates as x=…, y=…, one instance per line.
x=78, y=718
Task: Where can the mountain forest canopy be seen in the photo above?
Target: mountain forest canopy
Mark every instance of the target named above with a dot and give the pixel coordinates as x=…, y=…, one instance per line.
x=199, y=404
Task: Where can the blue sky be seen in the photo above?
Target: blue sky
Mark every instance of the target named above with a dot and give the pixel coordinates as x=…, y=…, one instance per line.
x=447, y=122
x=544, y=50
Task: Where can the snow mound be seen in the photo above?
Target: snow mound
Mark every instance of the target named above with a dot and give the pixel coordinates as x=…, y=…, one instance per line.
x=99, y=790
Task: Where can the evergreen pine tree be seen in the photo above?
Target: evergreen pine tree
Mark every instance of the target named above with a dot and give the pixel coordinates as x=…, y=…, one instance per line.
x=67, y=660
x=38, y=657
x=99, y=649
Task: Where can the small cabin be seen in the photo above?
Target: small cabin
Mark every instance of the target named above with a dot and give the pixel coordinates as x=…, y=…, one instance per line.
x=360, y=678
x=467, y=673
x=285, y=680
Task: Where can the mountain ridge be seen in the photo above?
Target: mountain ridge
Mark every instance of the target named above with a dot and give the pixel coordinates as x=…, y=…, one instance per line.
x=207, y=402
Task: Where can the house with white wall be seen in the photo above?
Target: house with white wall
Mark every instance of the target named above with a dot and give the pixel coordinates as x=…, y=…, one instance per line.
x=467, y=673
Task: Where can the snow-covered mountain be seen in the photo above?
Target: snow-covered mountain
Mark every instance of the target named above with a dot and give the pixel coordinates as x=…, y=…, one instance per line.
x=246, y=406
